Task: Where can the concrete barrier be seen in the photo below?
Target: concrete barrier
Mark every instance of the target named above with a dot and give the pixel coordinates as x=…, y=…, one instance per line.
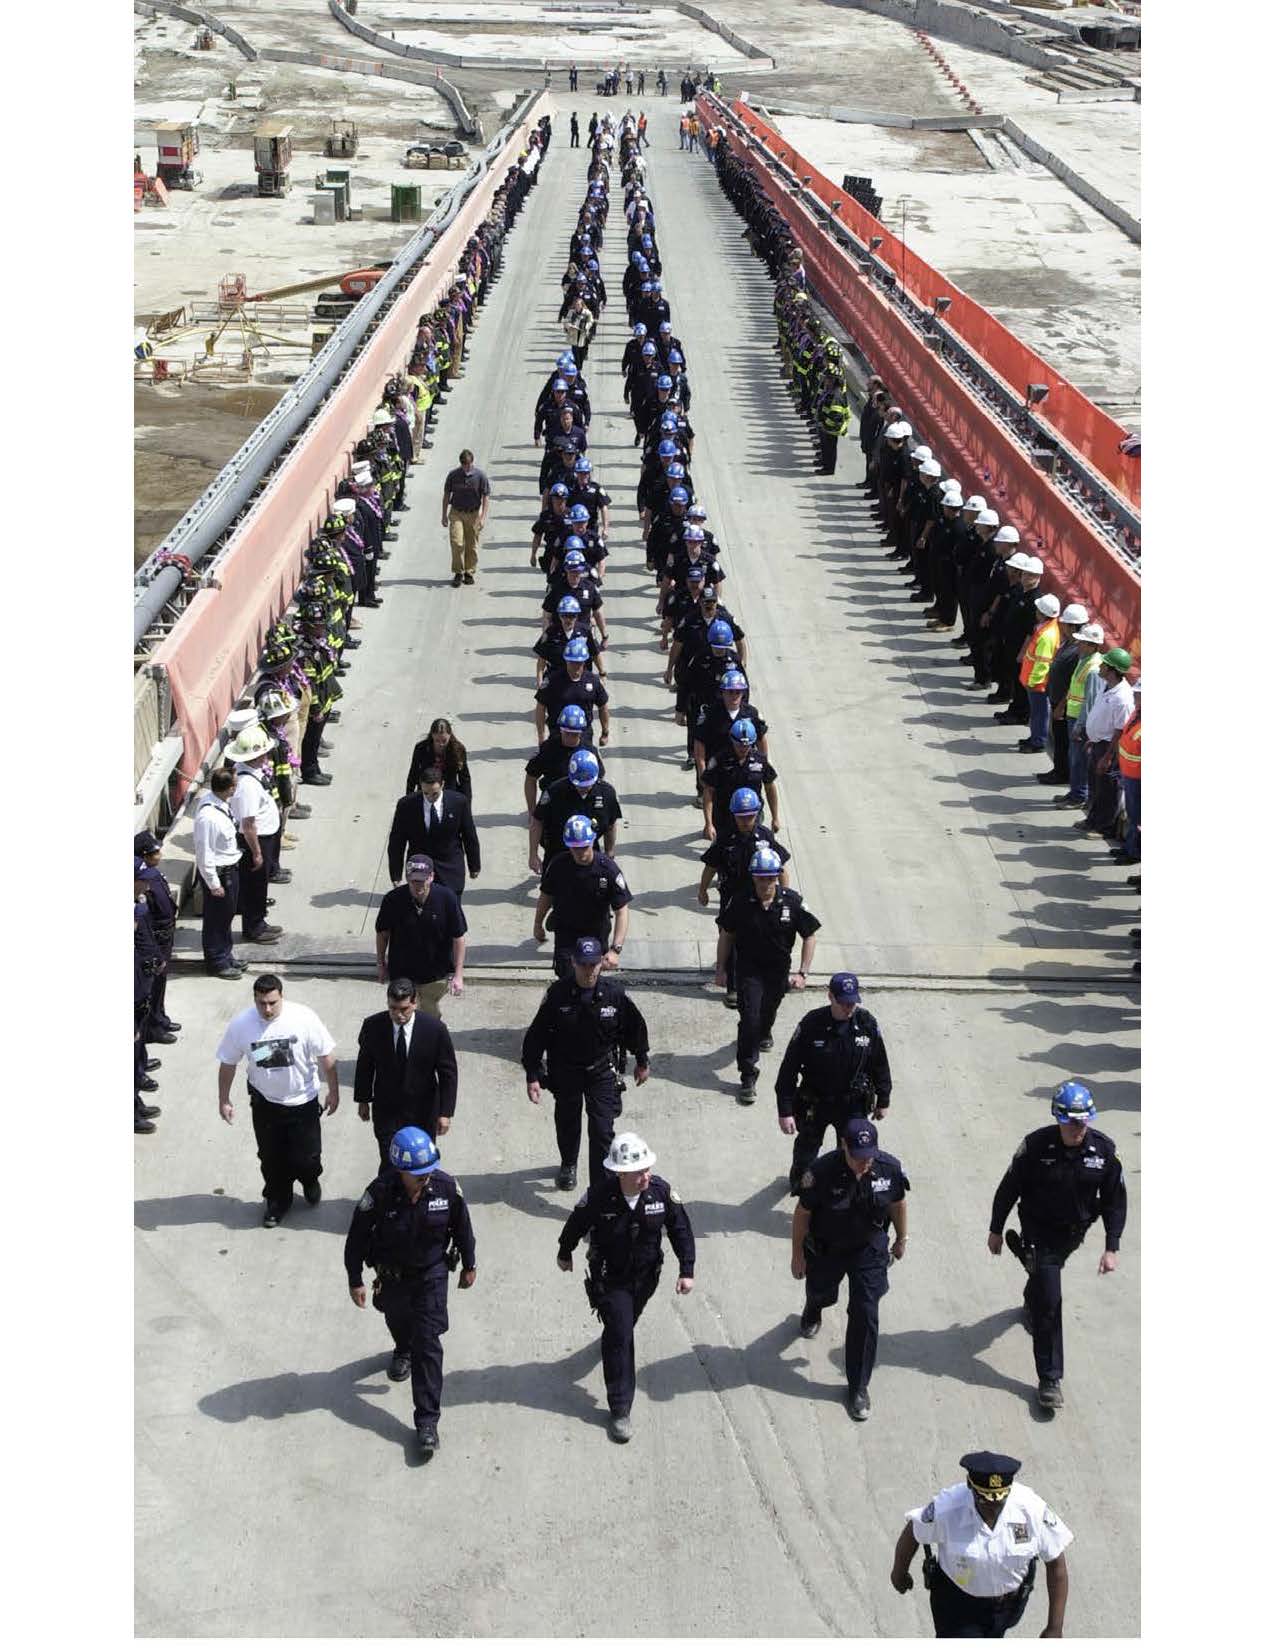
x=708, y=21
x=466, y=122
x=194, y=14
x=885, y=117
x=1078, y=185
x=964, y=25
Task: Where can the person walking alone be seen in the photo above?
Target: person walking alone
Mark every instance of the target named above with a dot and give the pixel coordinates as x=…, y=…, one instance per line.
x=466, y=496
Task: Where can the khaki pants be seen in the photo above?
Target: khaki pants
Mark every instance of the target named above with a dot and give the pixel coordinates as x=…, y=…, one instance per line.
x=462, y=527
x=429, y=997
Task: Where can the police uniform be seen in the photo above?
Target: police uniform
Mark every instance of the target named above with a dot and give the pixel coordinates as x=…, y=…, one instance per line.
x=848, y=1239
x=559, y=691
x=407, y=1243
x=582, y=899
x=625, y=1259
x=832, y=1070
x=552, y=760
x=562, y=800
x=980, y=1576
x=584, y=1031
x=1060, y=1191
x=764, y=939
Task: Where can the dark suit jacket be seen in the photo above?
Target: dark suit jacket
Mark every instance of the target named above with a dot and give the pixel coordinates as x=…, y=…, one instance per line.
x=450, y=845
x=430, y=1090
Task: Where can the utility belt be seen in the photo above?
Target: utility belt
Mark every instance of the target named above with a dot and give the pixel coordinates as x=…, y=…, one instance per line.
x=566, y=1076
x=412, y=1274
x=1062, y=1240
x=860, y=1093
x=599, y=1276
x=932, y=1570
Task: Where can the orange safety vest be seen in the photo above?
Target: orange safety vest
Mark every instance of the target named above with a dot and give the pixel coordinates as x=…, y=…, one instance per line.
x=1038, y=654
x=1129, y=750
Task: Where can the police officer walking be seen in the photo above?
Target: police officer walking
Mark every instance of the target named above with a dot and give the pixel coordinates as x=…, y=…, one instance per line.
x=844, y=1204
x=1063, y=1178
x=582, y=888
x=624, y=1219
x=584, y=1025
x=988, y=1534
x=834, y=1068
x=412, y=1226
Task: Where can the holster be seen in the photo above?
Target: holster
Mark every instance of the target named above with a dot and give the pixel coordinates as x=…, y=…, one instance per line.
x=377, y=1302
x=451, y=1255
x=928, y=1566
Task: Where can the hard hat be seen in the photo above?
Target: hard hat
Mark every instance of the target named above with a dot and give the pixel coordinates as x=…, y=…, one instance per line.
x=1091, y=632
x=668, y=420
x=578, y=513
x=583, y=768
x=1019, y=561
x=974, y=503
x=951, y=499
x=693, y=535
x=676, y=358
x=566, y=359
x=1073, y=1103
x=635, y=257
x=639, y=331
x=720, y=634
x=592, y=266
x=344, y=507
x=569, y=370
x=274, y=703
x=664, y=382
x=667, y=449
x=584, y=466
x=904, y=429
x=647, y=287
x=380, y=418
x=734, y=681
x=578, y=832
x=1048, y=606
x=573, y=542
x=1034, y=565
x=930, y=468
x=1120, y=659
x=568, y=604
x=745, y=801
x=765, y=863
x=987, y=518
x=1003, y=535
x=1073, y=613
x=576, y=651
x=629, y=1154
x=648, y=348
x=697, y=512
x=574, y=558
x=920, y=454
x=559, y=490
x=677, y=471
x=248, y=745
x=572, y=719
x=744, y=730
x=560, y=384
x=678, y=495
x=413, y=1150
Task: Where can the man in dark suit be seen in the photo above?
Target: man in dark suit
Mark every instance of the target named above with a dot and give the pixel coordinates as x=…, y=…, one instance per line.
x=440, y=824
x=406, y=1070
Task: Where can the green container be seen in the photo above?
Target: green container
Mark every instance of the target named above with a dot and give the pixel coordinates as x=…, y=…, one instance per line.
x=405, y=203
x=340, y=175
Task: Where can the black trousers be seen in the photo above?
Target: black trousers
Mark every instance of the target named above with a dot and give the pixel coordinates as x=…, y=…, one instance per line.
x=575, y=137
x=254, y=884
x=1042, y=1295
x=219, y=916
x=156, y=1016
x=866, y=1273
x=758, y=1000
x=416, y=1317
x=958, y=1616
x=598, y=1099
x=139, y=1050
x=1104, y=789
x=289, y=1147
x=1060, y=748
x=827, y=452
x=814, y=1119
x=943, y=569
x=620, y=1306
x=310, y=744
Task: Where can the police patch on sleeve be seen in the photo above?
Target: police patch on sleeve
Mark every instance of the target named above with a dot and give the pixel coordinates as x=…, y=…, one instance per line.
x=674, y=1196
x=927, y=1513
x=619, y=880
x=460, y=1190
x=365, y=1202
x=1049, y=1519
x=807, y=1180
x=1022, y=1147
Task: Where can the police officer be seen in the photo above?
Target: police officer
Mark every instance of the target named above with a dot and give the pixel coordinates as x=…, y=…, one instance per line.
x=759, y=927
x=1063, y=1178
x=624, y=1219
x=554, y=757
x=988, y=1534
x=584, y=1025
x=580, y=791
x=845, y=1201
x=161, y=906
x=835, y=1068
x=582, y=888
x=412, y=1225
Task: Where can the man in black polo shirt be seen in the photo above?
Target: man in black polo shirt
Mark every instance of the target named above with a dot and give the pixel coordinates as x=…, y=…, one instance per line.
x=738, y=765
x=580, y=791
x=582, y=888
x=466, y=495
x=575, y=685
x=760, y=926
x=420, y=936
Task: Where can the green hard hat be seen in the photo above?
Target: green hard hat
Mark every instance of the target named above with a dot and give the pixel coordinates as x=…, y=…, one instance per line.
x=1119, y=659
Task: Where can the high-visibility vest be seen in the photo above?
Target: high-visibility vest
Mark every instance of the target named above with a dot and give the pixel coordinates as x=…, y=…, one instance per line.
x=1079, y=676
x=1129, y=750
x=1037, y=654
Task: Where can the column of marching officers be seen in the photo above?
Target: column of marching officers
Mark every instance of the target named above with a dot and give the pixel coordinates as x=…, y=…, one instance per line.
x=412, y=1224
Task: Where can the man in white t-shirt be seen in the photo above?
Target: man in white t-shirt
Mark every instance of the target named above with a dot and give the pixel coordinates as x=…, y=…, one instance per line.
x=287, y=1049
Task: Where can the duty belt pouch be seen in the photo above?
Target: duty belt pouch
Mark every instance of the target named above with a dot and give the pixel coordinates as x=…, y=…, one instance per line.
x=377, y=1302
x=928, y=1566
x=1028, y=1582
x=593, y=1291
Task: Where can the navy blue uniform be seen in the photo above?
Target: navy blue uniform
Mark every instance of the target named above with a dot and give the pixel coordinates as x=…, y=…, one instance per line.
x=625, y=1259
x=559, y=691
x=582, y=898
x=726, y=773
x=562, y=800
x=763, y=961
x=1060, y=1191
x=161, y=907
x=553, y=758
x=832, y=1070
x=407, y=1244
x=847, y=1239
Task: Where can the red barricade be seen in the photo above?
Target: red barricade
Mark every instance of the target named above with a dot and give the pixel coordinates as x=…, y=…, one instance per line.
x=1094, y=434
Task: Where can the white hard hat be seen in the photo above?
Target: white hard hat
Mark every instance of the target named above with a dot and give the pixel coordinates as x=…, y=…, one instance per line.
x=1091, y=632
x=1034, y=565
x=1019, y=561
x=905, y=427
x=920, y=454
x=274, y=703
x=248, y=745
x=1073, y=613
x=1048, y=606
x=897, y=431
x=951, y=496
x=344, y=507
x=240, y=719
x=362, y=474
x=987, y=518
x=629, y=1154
x=975, y=503
x=930, y=468
x=380, y=418
x=1006, y=535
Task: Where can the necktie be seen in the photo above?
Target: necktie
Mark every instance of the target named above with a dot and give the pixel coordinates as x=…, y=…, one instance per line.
x=438, y=813
x=400, y=1053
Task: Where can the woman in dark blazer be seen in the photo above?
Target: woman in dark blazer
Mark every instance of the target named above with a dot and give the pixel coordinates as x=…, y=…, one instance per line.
x=441, y=749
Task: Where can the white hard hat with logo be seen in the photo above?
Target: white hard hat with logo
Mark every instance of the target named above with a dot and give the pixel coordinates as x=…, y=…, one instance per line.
x=629, y=1154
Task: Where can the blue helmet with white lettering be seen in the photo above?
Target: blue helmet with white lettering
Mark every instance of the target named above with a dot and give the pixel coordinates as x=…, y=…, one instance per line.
x=668, y=420
x=765, y=863
x=559, y=490
x=1073, y=1103
x=413, y=1150
x=720, y=634
x=578, y=832
x=734, y=681
x=678, y=495
x=574, y=558
x=576, y=651
x=693, y=535
x=676, y=358
x=636, y=259
x=743, y=731
x=583, y=467
x=677, y=471
x=570, y=371
x=745, y=801
x=571, y=718
x=568, y=604
x=667, y=449
x=566, y=359
x=639, y=329
x=573, y=541
x=664, y=382
x=583, y=769
x=578, y=514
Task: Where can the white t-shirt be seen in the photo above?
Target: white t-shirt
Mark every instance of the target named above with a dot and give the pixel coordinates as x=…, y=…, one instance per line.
x=251, y=800
x=988, y=1563
x=282, y=1054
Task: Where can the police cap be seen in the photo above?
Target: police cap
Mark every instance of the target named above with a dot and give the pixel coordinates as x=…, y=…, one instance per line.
x=860, y=1137
x=146, y=842
x=587, y=950
x=990, y=1475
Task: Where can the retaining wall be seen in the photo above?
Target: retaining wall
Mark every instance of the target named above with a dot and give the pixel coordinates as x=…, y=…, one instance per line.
x=1081, y=186
x=961, y=24
x=193, y=14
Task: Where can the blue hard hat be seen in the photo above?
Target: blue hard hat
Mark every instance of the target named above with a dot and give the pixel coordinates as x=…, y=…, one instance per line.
x=568, y=604
x=668, y=421
x=583, y=768
x=765, y=863
x=578, y=832
x=720, y=634
x=734, y=681
x=639, y=330
x=667, y=449
x=657, y=285
x=570, y=371
x=697, y=512
x=745, y=801
x=646, y=286
x=577, y=513
x=664, y=382
x=678, y=495
x=413, y=1150
x=592, y=265
x=665, y=326
x=677, y=471
x=559, y=489
x=647, y=243
x=573, y=541
x=576, y=651
x=559, y=384
x=676, y=358
x=744, y=730
x=583, y=467
x=648, y=348
x=635, y=257
x=1073, y=1103
x=571, y=717
x=692, y=535
x=566, y=359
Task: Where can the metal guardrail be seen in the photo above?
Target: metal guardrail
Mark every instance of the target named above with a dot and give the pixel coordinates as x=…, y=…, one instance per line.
x=160, y=590
x=1089, y=491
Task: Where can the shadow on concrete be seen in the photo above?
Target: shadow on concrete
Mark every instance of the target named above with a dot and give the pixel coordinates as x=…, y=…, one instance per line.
x=236, y=1215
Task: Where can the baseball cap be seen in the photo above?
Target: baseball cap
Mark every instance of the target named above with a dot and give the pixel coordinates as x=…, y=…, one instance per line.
x=861, y=1137
x=844, y=987
x=146, y=842
x=587, y=950
x=420, y=865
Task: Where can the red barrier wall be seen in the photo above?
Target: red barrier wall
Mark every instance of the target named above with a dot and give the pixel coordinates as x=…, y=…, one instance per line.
x=1079, y=564
x=213, y=649
x=1093, y=433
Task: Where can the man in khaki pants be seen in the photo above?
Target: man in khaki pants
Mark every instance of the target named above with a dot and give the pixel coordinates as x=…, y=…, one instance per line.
x=466, y=495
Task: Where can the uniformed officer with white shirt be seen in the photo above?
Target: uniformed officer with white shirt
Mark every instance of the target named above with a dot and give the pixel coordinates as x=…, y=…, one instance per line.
x=982, y=1540
x=217, y=865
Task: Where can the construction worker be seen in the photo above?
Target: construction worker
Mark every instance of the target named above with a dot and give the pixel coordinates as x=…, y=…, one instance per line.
x=1033, y=671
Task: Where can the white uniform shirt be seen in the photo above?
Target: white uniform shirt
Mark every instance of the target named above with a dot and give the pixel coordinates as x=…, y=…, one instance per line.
x=253, y=801
x=988, y=1563
x=1110, y=714
x=215, y=843
x=283, y=1054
